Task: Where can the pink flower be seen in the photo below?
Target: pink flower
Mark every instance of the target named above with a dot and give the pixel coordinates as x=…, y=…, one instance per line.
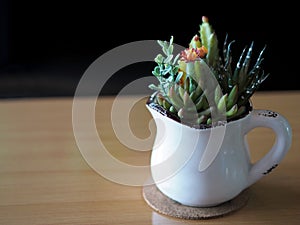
x=192, y=54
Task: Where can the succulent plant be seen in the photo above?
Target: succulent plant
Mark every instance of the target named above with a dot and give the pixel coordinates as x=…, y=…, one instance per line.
x=198, y=86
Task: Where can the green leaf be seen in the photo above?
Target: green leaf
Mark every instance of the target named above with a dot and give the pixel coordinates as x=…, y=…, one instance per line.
x=166, y=104
x=232, y=111
x=179, y=75
x=170, y=49
x=154, y=87
x=202, y=119
x=188, y=103
x=209, y=121
x=205, y=112
x=213, y=50
x=222, y=103
x=240, y=111
x=247, y=60
x=197, y=68
x=180, y=91
x=176, y=59
x=172, y=109
x=205, y=32
x=175, y=99
x=232, y=97
x=168, y=59
x=161, y=43
x=201, y=102
x=165, y=50
x=205, y=77
x=218, y=94
x=190, y=70
x=196, y=93
x=171, y=40
x=167, y=70
x=236, y=74
x=156, y=71
x=159, y=59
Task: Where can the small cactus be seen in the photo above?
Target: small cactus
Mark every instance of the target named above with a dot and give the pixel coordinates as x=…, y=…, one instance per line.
x=198, y=84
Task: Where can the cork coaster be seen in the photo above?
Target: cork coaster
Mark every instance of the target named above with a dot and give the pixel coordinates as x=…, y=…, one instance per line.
x=164, y=205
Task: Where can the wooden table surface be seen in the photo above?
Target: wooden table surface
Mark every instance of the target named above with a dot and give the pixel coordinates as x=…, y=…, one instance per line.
x=44, y=178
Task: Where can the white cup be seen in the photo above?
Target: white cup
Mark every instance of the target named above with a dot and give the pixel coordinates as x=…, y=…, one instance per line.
x=207, y=167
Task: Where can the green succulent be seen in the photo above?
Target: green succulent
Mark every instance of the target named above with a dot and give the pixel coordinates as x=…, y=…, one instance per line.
x=198, y=85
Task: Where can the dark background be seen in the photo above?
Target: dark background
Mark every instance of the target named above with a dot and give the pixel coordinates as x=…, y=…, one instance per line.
x=45, y=46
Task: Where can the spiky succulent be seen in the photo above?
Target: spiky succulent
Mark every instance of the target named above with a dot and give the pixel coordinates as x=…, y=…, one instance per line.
x=200, y=87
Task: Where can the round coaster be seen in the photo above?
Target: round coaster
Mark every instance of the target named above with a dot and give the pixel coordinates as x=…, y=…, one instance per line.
x=164, y=205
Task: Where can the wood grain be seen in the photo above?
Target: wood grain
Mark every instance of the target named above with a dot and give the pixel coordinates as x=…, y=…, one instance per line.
x=45, y=180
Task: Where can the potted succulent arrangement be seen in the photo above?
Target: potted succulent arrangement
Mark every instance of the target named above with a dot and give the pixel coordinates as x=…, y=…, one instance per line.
x=202, y=109
x=182, y=81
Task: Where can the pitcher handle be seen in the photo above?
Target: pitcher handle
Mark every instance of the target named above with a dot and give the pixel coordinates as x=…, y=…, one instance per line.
x=283, y=132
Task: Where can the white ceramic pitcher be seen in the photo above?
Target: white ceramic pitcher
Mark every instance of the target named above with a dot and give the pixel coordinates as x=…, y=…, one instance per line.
x=207, y=167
